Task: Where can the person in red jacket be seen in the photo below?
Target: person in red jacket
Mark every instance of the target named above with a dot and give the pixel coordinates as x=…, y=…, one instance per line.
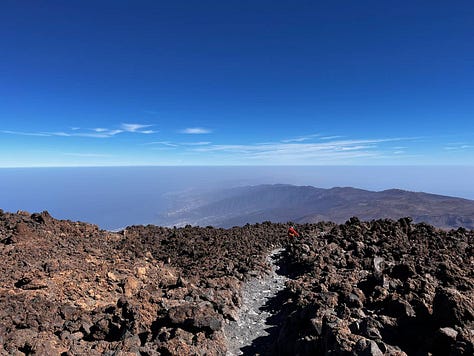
x=292, y=232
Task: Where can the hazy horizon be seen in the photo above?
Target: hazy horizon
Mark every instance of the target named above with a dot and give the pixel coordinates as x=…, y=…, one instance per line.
x=114, y=197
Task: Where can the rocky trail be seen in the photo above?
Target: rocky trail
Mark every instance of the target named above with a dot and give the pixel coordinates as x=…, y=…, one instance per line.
x=379, y=287
x=255, y=329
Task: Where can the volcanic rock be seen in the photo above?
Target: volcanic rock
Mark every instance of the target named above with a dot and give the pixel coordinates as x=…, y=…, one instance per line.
x=379, y=287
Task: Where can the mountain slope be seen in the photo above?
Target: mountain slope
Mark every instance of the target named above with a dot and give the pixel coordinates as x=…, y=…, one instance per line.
x=352, y=289
x=282, y=203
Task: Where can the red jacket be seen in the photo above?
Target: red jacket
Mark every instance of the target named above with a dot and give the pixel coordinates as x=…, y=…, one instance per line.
x=292, y=232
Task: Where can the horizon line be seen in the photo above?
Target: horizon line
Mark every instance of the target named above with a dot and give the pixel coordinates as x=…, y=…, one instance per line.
x=239, y=165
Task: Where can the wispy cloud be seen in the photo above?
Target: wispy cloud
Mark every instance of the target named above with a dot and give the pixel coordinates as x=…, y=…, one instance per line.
x=336, y=150
x=100, y=129
x=163, y=148
x=163, y=143
x=97, y=132
x=62, y=134
x=201, y=143
x=135, y=128
x=458, y=147
x=329, y=137
x=86, y=155
x=333, y=145
x=300, y=138
x=195, y=131
x=309, y=137
x=24, y=133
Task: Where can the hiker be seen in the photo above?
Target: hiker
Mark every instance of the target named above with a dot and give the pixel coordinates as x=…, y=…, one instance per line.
x=292, y=232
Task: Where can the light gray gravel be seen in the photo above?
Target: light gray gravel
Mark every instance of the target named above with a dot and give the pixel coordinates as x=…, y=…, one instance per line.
x=252, y=320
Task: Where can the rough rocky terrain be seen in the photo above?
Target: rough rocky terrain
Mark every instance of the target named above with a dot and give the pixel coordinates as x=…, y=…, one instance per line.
x=365, y=288
x=379, y=288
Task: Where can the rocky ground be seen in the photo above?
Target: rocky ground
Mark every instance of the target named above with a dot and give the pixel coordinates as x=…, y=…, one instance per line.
x=368, y=288
x=379, y=288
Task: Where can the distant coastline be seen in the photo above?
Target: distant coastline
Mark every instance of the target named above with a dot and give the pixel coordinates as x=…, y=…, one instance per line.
x=114, y=197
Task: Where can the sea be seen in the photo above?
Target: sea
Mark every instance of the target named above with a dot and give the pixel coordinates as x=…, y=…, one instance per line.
x=116, y=197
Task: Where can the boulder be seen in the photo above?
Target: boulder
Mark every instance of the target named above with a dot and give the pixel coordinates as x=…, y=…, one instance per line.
x=366, y=347
x=451, y=307
x=192, y=316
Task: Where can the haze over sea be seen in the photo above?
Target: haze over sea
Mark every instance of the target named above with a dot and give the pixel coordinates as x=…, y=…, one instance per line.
x=115, y=197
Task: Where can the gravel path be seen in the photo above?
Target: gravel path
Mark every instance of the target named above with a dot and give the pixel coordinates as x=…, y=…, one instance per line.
x=252, y=332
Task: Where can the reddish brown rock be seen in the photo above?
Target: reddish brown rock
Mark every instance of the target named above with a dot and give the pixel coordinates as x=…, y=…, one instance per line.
x=381, y=286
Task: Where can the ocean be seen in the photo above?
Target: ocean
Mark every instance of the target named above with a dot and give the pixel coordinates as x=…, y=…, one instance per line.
x=115, y=197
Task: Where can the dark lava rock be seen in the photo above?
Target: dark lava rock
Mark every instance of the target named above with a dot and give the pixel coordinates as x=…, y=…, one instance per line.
x=407, y=290
x=195, y=317
x=71, y=288
x=451, y=307
x=365, y=347
x=372, y=288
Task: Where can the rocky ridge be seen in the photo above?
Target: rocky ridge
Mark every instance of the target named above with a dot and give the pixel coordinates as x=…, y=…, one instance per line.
x=374, y=288
x=307, y=204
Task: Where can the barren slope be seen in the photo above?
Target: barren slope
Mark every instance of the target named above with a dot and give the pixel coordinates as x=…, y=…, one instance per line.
x=70, y=288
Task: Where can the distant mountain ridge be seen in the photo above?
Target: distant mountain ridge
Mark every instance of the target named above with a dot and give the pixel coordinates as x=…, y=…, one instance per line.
x=282, y=203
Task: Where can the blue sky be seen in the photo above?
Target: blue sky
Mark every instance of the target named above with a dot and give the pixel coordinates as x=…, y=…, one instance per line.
x=105, y=83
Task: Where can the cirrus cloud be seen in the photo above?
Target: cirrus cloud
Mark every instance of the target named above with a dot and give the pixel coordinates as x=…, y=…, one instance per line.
x=195, y=131
x=135, y=128
x=295, y=151
x=97, y=132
